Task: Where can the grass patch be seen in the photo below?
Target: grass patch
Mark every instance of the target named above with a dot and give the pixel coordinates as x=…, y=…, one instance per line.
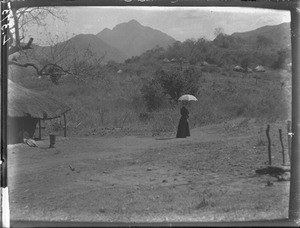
x=115, y=101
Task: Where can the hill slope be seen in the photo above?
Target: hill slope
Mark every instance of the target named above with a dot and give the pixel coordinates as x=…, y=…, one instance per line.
x=133, y=38
x=75, y=48
x=81, y=42
x=279, y=34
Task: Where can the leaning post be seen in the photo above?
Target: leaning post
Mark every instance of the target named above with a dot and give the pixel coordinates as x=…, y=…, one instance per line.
x=289, y=138
x=269, y=145
x=40, y=130
x=65, y=125
x=280, y=137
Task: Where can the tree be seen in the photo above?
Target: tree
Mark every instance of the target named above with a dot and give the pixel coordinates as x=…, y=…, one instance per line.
x=281, y=60
x=263, y=42
x=21, y=19
x=245, y=63
x=169, y=85
x=176, y=82
x=49, y=61
x=222, y=40
x=174, y=51
x=188, y=49
x=218, y=31
x=171, y=82
x=152, y=95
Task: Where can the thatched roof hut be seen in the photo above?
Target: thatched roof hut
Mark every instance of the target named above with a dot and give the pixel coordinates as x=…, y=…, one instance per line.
x=26, y=108
x=238, y=68
x=24, y=102
x=259, y=68
x=204, y=63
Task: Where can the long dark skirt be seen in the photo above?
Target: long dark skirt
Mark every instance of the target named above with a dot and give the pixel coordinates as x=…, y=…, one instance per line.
x=183, y=128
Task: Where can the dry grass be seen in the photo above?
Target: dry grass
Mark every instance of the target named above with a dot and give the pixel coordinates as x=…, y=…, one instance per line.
x=115, y=101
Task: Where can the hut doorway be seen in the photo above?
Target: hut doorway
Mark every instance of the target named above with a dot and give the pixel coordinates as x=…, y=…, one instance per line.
x=17, y=126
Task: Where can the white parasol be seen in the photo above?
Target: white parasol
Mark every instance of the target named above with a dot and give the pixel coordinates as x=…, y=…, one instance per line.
x=187, y=97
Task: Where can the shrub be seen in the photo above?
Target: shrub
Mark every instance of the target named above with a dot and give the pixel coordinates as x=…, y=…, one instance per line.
x=280, y=62
x=152, y=94
x=245, y=63
x=176, y=82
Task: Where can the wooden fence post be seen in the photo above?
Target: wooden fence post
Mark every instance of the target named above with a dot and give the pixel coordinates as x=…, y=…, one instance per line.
x=22, y=131
x=65, y=126
x=289, y=138
x=280, y=137
x=40, y=130
x=269, y=145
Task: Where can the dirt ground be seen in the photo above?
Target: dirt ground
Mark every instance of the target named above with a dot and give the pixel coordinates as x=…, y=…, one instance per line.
x=209, y=176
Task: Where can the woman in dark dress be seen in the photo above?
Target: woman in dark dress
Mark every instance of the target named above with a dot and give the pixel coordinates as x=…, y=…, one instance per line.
x=183, y=126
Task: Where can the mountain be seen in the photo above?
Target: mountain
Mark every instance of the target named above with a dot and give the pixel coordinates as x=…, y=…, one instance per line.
x=79, y=44
x=133, y=39
x=75, y=48
x=279, y=34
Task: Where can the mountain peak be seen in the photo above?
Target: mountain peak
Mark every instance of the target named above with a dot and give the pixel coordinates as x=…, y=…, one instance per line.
x=134, y=38
x=106, y=30
x=133, y=22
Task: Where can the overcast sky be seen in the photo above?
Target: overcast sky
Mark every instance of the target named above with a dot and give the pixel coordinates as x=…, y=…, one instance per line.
x=179, y=22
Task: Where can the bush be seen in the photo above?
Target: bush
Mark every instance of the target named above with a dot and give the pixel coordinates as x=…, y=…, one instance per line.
x=152, y=94
x=245, y=63
x=176, y=82
x=280, y=62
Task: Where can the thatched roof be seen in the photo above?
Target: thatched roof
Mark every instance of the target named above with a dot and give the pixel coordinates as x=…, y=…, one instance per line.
x=238, y=68
x=24, y=102
x=259, y=68
x=204, y=63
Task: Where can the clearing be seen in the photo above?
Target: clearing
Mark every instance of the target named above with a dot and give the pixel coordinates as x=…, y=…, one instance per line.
x=209, y=176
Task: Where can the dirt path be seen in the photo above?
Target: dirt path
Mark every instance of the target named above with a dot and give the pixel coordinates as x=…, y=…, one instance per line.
x=206, y=177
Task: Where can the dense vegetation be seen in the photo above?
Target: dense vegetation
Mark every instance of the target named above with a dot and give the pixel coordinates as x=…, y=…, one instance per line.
x=141, y=94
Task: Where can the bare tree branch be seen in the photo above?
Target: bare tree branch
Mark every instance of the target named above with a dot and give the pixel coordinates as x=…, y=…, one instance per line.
x=59, y=58
x=24, y=17
x=18, y=48
x=42, y=71
x=24, y=65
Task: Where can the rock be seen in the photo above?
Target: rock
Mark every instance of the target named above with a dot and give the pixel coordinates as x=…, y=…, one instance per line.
x=284, y=177
x=102, y=210
x=286, y=168
x=203, y=203
x=149, y=169
x=73, y=169
x=164, y=181
x=271, y=170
